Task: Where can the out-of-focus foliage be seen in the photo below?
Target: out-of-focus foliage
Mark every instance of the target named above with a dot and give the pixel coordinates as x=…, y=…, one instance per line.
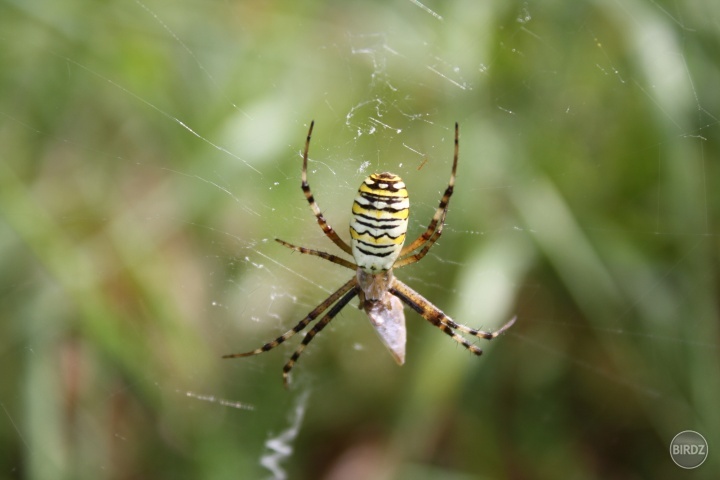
x=149, y=155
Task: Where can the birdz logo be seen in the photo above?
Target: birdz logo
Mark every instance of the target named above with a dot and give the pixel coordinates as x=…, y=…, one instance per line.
x=688, y=449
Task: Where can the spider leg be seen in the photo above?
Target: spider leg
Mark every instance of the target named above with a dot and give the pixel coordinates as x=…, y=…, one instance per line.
x=410, y=259
x=314, y=331
x=303, y=323
x=327, y=256
x=329, y=232
x=435, y=316
x=431, y=234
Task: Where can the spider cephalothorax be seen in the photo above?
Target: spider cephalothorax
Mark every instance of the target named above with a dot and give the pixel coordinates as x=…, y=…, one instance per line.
x=377, y=231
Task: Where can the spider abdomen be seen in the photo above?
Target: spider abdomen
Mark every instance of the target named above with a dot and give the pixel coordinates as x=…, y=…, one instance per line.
x=379, y=223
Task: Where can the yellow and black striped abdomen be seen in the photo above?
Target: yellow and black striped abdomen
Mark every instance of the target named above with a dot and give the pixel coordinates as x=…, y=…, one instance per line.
x=379, y=223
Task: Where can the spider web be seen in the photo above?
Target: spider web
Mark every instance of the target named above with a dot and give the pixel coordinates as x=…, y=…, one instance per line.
x=151, y=155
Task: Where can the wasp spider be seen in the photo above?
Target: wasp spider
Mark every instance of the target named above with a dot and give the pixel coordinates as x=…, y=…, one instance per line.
x=377, y=232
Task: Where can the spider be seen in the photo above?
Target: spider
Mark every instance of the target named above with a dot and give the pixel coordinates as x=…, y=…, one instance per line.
x=377, y=231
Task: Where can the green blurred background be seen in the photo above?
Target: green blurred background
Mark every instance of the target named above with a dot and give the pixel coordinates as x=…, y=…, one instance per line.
x=149, y=154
